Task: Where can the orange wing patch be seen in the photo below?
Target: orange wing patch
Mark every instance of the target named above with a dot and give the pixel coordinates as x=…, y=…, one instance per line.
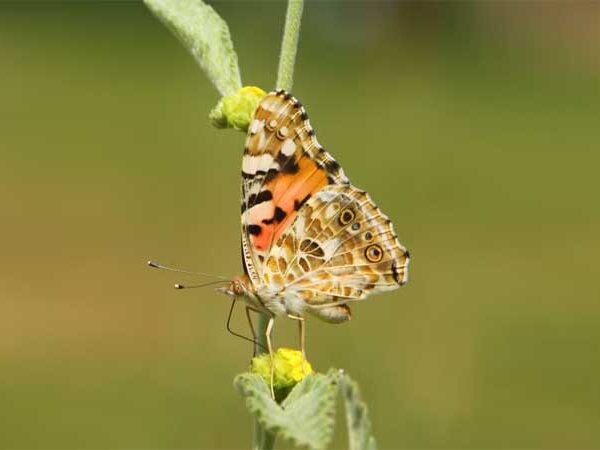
x=289, y=193
x=283, y=166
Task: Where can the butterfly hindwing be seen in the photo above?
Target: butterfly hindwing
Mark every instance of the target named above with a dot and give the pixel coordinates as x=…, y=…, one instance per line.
x=340, y=248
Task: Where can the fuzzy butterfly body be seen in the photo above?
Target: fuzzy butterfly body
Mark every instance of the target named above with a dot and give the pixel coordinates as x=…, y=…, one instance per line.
x=311, y=241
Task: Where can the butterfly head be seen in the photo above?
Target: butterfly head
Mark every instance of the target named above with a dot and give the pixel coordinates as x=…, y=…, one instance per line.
x=239, y=286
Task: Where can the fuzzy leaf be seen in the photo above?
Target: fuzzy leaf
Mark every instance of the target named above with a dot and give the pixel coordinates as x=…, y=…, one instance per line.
x=305, y=417
x=206, y=35
x=357, y=417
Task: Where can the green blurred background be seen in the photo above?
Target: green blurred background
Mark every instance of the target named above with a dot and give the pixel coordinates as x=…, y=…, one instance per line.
x=475, y=126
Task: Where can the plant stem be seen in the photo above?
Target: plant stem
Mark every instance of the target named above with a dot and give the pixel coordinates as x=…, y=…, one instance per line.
x=289, y=45
x=262, y=439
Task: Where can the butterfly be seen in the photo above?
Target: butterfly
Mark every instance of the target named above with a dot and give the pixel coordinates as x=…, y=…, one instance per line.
x=311, y=241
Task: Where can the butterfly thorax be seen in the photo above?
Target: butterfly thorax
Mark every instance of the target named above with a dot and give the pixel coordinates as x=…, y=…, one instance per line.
x=264, y=298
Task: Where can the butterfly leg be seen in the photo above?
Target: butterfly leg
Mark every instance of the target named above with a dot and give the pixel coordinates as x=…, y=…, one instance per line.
x=253, y=340
x=302, y=332
x=270, y=346
x=248, y=309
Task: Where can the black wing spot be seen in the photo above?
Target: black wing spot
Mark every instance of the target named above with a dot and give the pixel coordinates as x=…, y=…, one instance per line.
x=281, y=159
x=271, y=175
x=263, y=196
x=395, y=272
x=287, y=164
x=332, y=166
x=291, y=167
x=311, y=132
x=298, y=204
x=279, y=215
x=304, y=115
x=254, y=230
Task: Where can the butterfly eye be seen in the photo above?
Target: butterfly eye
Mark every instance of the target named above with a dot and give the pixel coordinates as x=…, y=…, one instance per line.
x=346, y=217
x=368, y=236
x=374, y=253
x=237, y=288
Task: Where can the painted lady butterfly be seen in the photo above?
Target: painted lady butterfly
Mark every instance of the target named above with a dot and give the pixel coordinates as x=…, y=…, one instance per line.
x=311, y=241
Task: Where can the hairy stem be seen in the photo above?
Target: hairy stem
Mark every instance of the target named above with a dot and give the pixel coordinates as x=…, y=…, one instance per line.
x=262, y=439
x=289, y=45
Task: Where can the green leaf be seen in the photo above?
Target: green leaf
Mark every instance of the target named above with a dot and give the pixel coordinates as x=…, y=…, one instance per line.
x=206, y=35
x=357, y=417
x=305, y=417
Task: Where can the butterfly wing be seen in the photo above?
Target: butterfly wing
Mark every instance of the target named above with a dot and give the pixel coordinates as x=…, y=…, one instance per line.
x=307, y=233
x=283, y=166
x=340, y=248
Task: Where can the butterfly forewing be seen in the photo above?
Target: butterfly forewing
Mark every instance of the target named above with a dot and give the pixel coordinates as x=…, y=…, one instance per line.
x=283, y=166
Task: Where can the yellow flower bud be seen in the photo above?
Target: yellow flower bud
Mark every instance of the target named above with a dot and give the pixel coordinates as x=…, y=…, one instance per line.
x=290, y=368
x=236, y=110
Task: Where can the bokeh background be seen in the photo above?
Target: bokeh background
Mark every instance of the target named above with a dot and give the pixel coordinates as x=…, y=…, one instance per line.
x=475, y=126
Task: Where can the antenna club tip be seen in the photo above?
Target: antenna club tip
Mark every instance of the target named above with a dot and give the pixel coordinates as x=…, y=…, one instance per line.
x=152, y=264
x=179, y=286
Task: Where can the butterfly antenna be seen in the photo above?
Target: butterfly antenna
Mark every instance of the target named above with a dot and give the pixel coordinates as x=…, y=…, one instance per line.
x=194, y=286
x=157, y=265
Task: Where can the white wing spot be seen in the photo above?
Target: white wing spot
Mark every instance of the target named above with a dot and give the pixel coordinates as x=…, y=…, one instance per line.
x=256, y=126
x=282, y=133
x=250, y=164
x=331, y=210
x=272, y=125
x=288, y=148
